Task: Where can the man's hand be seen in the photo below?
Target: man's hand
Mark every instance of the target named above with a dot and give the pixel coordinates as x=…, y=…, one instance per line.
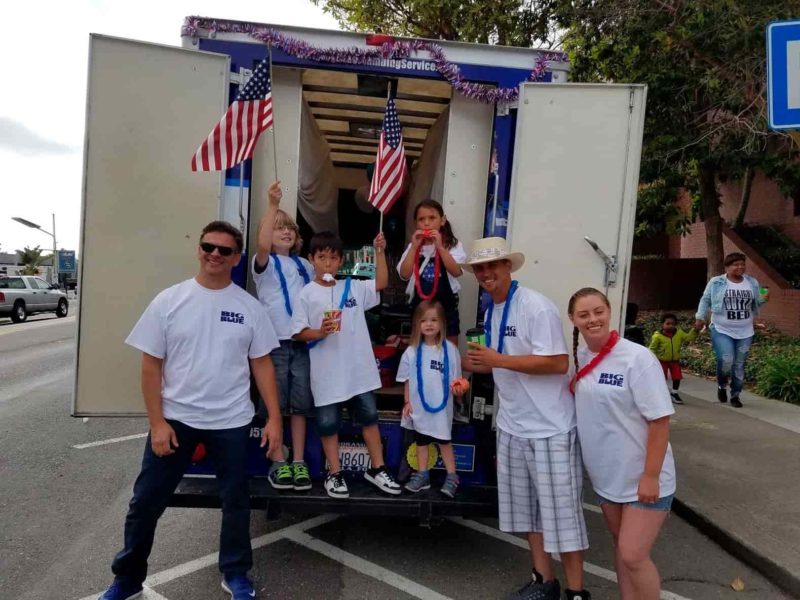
x=274, y=193
x=163, y=439
x=648, y=489
x=272, y=435
x=483, y=356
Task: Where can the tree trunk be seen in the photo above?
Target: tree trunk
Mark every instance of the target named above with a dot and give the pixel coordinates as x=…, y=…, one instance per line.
x=747, y=187
x=709, y=201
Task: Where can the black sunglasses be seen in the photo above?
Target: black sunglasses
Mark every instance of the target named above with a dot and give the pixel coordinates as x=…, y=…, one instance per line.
x=209, y=248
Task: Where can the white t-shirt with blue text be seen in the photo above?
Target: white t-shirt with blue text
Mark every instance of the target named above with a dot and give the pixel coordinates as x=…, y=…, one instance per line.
x=270, y=293
x=614, y=403
x=343, y=364
x=205, y=338
x=439, y=424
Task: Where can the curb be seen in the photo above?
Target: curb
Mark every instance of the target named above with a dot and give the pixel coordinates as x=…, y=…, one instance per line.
x=789, y=582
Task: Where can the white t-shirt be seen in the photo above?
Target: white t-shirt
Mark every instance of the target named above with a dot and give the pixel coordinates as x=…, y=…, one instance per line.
x=736, y=318
x=457, y=252
x=268, y=287
x=205, y=338
x=438, y=424
x=614, y=402
x=532, y=406
x=342, y=364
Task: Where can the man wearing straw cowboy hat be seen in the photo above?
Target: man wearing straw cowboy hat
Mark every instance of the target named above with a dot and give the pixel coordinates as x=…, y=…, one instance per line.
x=539, y=468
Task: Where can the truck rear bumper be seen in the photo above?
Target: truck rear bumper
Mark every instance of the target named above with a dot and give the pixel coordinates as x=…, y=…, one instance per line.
x=471, y=501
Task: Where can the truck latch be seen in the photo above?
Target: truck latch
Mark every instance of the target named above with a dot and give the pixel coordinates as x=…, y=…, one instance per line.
x=610, y=262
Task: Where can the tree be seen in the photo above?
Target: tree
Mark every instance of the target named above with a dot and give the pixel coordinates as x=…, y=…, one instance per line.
x=703, y=63
x=31, y=259
x=507, y=22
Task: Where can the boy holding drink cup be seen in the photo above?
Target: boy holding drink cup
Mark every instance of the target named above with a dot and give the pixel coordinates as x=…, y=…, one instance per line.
x=330, y=317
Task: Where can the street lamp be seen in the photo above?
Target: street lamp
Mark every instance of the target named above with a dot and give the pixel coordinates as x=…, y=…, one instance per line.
x=52, y=235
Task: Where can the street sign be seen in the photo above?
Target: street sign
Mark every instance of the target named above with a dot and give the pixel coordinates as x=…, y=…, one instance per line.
x=783, y=74
x=66, y=261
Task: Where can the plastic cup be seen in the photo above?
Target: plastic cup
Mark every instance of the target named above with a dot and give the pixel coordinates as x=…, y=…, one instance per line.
x=476, y=336
x=763, y=291
x=336, y=315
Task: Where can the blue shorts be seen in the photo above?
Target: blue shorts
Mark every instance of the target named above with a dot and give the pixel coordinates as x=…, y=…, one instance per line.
x=362, y=408
x=663, y=504
x=292, y=371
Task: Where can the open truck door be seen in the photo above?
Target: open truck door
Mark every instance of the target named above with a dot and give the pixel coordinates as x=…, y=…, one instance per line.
x=574, y=185
x=148, y=108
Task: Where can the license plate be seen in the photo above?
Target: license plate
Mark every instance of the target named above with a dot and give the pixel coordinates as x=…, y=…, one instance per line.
x=354, y=456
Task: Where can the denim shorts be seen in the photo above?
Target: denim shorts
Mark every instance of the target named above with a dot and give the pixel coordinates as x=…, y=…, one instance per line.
x=362, y=408
x=292, y=369
x=663, y=504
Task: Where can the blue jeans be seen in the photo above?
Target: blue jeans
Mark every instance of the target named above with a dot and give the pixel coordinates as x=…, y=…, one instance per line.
x=157, y=481
x=731, y=355
x=363, y=407
x=292, y=369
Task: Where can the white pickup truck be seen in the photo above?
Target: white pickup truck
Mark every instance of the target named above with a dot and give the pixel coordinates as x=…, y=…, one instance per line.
x=23, y=295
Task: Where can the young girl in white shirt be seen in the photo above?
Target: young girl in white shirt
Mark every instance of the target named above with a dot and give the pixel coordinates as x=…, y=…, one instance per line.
x=430, y=263
x=430, y=370
x=623, y=407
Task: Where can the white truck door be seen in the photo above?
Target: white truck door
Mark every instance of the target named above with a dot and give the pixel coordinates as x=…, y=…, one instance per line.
x=575, y=176
x=148, y=109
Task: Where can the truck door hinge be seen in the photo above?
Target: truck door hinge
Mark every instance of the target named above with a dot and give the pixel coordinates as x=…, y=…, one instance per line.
x=609, y=261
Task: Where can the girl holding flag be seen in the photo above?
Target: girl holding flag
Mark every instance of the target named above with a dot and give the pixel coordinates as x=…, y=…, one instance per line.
x=279, y=275
x=623, y=408
x=430, y=371
x=431, y=261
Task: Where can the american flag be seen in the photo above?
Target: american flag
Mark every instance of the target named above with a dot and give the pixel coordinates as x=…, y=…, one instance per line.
x=390, y=164
x=235, y=136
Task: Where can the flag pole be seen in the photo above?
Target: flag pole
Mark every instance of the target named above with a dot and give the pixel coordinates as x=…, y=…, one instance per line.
x=272, y=91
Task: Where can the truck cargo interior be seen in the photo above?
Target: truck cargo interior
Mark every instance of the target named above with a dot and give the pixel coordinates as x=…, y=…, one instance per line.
x=340, y=127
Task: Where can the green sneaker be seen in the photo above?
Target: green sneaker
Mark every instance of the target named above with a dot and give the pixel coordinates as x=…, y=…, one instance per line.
x=280, y=476
x=302, y=480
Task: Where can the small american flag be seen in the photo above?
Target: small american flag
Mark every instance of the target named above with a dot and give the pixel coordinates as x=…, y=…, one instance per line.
x=390, y=164
x=235, y=136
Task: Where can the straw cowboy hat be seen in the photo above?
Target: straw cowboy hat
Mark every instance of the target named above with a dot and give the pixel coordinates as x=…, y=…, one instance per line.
x=492, y=248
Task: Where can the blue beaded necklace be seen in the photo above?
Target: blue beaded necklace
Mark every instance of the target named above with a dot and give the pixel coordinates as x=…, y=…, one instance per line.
x=445, y=380
x=487, y=325
x=287, y=303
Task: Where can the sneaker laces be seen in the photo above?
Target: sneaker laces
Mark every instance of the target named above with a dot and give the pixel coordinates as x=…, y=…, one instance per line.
x=284, y=471
x=388, y=476
x=300, y=469
x=338, y=479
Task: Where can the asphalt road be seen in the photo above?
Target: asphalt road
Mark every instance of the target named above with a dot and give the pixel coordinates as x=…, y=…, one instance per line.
x=62, y=509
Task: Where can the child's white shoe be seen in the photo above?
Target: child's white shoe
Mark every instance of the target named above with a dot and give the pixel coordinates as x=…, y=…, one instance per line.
x=383, y=480
x=335, y=486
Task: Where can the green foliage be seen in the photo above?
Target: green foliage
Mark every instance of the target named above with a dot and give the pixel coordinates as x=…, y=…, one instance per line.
x=772, y=368
x=31, y=256
x=657, y=211
x=777, y=249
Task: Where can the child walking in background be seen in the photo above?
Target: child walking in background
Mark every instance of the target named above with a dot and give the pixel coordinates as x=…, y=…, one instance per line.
x=666, y=345
x=431, y=261
x=430, y=370
x=330, y=316
x=279, y=275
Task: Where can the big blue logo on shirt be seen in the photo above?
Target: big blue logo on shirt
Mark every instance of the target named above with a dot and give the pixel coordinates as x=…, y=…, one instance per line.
x=511, y=331
x=611, y=379
x=227, y=316
x=350, y=303
x=437, y=365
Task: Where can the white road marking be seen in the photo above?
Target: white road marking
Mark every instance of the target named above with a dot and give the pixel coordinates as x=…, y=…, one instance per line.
x=37, y=324
x=209, y=560
x=364, y=566
x=125, y=438
x=150, y=594
x=521, y=543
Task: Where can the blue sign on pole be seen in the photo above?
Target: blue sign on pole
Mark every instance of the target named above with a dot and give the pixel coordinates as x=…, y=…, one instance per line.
x=66, y=261
x=783, y=74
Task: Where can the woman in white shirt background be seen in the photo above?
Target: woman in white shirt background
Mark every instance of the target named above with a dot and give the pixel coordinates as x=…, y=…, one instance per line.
x=623, y=406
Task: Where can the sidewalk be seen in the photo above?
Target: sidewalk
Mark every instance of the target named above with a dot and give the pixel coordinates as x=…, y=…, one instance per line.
x=739, y=477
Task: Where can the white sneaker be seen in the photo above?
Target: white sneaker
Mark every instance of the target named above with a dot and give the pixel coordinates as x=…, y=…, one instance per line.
x=383, y=480
x=335, y=486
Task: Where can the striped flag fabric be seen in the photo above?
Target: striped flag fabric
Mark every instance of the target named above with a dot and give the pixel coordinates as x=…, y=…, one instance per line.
x=390, y=163
x=234, y=138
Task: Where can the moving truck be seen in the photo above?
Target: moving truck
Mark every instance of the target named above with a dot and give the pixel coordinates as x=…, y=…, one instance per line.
x=555, y=171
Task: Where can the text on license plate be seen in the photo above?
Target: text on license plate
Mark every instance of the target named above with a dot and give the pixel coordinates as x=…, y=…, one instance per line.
x=354, y=456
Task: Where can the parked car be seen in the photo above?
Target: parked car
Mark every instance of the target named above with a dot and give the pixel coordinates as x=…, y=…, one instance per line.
x=23, y=295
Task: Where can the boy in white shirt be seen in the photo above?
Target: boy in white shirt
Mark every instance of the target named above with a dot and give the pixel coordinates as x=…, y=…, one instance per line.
x=330, y=316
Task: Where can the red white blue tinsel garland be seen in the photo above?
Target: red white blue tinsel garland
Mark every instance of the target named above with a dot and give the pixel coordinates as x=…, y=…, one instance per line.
x=396, y=49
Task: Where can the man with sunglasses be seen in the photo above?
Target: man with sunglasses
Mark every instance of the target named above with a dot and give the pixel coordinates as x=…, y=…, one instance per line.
x=200, y=340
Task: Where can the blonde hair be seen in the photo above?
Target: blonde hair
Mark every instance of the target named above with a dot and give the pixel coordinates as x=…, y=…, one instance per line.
x=421, y=309
x=582, y=293
x=282, y=219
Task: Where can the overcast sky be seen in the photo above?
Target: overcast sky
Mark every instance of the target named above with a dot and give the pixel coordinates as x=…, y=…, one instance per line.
x=43, y=50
